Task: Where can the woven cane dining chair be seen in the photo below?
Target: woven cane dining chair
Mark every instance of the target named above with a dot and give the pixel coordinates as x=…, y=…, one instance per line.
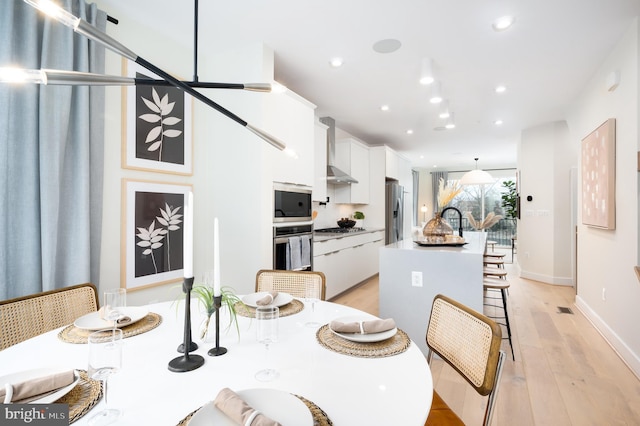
x=25, y=317
x=470, y=343
x=295, y=283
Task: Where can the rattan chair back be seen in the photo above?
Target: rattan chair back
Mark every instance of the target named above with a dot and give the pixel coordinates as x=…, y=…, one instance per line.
x=295, y=283
x=470, y=343
x=29, y=316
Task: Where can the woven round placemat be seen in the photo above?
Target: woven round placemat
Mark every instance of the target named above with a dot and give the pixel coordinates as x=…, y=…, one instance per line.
x=290, y=308
x=320, y=418
x=73, y=334
x=391, y=346
x=83, y=397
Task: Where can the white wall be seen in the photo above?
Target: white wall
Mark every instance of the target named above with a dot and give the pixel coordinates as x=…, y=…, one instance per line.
x=544, y=240
x=232, y=177
x=606, y=258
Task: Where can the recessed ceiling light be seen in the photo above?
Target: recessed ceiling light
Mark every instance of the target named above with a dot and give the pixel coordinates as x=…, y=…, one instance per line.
x=500, y=89
x=336, y=62
x=421, y=157
x=498, y=122
x=389, y=45
x=410, y=132
x=503, y=23
x=384, y=108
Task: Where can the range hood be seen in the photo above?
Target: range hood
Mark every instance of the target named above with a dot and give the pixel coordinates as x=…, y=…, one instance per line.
x=334, y=175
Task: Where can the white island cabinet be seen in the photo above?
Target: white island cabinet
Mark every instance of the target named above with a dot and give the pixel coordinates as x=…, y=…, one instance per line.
x=347, y=260
x=411, y=276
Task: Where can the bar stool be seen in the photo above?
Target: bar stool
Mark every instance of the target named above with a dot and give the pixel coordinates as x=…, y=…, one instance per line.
x=499, y=284
x=499, y=255
x=496, y=261
x=488, y=271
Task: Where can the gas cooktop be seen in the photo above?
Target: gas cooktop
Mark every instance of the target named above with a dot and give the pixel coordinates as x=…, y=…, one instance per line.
x=339, y=230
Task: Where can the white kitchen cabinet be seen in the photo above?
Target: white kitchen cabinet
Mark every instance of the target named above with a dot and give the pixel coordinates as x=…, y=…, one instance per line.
x=392, y=169
x=319, y=192
x=291, y=119
x=347, y=261
x=352, y=157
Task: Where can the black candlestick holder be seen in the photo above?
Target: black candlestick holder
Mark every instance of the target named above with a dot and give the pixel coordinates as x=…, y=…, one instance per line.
x=217, y=351
x=186, y=362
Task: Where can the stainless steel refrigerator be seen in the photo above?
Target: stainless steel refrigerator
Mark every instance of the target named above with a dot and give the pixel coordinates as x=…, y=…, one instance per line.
x=394, y=203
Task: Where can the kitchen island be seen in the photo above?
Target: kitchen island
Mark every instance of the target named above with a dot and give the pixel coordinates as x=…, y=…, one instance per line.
x=412, y=275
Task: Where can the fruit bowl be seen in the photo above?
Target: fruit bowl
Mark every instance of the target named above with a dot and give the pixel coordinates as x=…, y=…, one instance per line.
x=346, y=223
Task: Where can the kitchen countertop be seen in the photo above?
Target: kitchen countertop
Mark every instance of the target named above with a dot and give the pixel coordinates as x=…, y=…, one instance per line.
x=324, y=236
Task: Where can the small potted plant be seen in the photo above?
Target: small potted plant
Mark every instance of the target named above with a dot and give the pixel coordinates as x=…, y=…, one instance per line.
x=359, y=217
x=230, y=300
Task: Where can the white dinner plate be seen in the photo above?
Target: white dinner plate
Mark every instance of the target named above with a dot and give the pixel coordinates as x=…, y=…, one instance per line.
x=41, y=372
x=280, y=300
x=364, y=338
x=278, y=405
x=92, y=321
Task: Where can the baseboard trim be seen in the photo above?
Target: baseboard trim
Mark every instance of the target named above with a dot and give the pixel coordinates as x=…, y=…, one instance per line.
x=618, y=345
x=565, y=281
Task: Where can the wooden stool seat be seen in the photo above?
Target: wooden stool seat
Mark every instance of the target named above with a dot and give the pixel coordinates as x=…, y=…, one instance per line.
x=500, y=255
x=494, y=272
x=492, y=244
x=488, y=260
x=495, y=283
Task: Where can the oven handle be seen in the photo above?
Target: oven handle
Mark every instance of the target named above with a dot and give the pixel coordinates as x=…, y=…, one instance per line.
x=281, y=240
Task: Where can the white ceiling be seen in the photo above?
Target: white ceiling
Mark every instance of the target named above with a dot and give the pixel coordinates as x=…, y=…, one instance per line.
x=545, y=60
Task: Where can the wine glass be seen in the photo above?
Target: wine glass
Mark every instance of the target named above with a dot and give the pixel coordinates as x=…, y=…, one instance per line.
x=311, y=297
x=267, y=333
x=115, y=301
x=105, y=359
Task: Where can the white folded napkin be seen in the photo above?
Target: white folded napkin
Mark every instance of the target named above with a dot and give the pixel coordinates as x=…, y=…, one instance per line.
x=231, y=404
x=37, y=387
x=267, y=299
x=124, y=320
x=363, y=327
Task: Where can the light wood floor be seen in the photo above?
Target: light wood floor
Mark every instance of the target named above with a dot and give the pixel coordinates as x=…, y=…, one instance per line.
x=564, y=373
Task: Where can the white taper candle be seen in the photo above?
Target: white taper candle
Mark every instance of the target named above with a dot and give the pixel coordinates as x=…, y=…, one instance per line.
x=217, y=291
x=187, y=252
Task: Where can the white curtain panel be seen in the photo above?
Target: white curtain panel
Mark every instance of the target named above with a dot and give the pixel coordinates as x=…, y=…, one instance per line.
x=51, y=154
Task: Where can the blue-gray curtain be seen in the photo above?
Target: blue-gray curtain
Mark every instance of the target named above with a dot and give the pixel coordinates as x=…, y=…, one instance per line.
x=51, y=154
x=435, y=186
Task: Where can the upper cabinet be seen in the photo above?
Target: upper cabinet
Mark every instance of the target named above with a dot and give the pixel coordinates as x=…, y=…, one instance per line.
x=290, y=118
x=352, y=157
x=319, y=192
x=392, y=164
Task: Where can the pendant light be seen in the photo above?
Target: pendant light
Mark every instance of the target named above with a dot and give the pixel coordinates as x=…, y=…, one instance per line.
x=436, y=93
x=426, y=73
x=84, y=28
x=476, y=177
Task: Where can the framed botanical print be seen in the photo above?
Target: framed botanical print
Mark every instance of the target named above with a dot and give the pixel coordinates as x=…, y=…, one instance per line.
x=152, y=233
x=157, y=126
x=599, y=176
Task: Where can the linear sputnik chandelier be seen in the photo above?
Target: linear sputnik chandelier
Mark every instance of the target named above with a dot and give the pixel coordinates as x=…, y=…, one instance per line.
x=80, y=26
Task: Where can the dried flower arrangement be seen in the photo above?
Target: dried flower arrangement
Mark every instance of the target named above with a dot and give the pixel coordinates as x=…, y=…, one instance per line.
x=487, y=223
x=447, y=193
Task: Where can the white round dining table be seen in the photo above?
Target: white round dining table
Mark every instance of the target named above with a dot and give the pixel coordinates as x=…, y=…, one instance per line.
x=352, y=391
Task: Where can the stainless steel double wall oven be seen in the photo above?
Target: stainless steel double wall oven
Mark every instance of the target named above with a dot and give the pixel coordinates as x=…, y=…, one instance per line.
x=292, y=227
